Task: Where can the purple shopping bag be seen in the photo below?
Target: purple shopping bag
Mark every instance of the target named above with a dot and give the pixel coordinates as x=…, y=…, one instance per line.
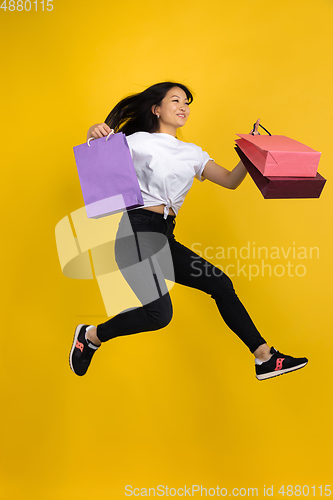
x=283, y=187
x=107, y=176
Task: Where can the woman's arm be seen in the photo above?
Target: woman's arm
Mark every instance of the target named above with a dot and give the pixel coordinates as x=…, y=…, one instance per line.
x=226, y=178
x=223, y=177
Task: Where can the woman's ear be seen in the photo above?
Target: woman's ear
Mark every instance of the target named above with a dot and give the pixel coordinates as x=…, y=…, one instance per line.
x=155, y=110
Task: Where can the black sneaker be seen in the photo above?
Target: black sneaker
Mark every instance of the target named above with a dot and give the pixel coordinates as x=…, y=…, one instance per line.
x=81, y=352
x=278, y=364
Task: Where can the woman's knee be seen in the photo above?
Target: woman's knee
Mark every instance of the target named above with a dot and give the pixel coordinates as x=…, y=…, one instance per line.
x=227, y=283
x=160, y=312
x=221, y=285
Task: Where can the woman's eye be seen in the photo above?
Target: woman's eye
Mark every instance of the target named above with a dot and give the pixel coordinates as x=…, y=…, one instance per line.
x=176, y=100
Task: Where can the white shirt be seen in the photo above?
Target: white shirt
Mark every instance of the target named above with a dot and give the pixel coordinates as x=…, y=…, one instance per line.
x=165, y=168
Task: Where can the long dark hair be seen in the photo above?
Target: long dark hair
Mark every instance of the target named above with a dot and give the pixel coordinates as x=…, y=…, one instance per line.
x=133, y=113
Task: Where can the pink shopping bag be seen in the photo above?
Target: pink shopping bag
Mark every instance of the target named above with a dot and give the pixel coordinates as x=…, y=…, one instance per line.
x=107, y=176
x=279, y=156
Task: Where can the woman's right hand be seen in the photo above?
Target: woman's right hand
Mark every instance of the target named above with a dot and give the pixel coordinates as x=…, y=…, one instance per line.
x=99, y=130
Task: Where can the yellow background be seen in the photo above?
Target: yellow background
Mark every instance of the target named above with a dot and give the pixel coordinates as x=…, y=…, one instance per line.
x=182, y=405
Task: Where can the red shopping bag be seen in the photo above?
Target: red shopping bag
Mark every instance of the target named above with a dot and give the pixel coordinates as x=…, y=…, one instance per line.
x=283, y=187
x=279, y=156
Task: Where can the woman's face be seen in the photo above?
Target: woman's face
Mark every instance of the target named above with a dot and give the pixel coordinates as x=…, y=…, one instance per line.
x=174, y=110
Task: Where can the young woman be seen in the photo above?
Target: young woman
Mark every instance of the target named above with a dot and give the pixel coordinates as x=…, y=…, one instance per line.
x=146, y=250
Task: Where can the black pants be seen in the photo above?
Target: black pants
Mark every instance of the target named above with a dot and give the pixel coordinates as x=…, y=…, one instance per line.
x=147, y=253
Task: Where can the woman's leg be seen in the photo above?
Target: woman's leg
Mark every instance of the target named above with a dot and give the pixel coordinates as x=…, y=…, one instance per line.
x=136, y=258
x=192, y=270
x=136, y=255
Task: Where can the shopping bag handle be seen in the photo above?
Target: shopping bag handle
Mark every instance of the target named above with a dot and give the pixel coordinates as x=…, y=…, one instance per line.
x=91, y=138
x=261, y=127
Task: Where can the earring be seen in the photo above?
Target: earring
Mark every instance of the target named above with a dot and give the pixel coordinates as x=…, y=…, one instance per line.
x=158, y=116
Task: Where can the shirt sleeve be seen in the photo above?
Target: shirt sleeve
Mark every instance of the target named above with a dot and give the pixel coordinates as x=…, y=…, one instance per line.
x=203, y=159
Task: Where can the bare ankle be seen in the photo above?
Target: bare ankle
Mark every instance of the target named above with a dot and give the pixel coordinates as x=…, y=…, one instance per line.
x=92, y=336
x=263, y=352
